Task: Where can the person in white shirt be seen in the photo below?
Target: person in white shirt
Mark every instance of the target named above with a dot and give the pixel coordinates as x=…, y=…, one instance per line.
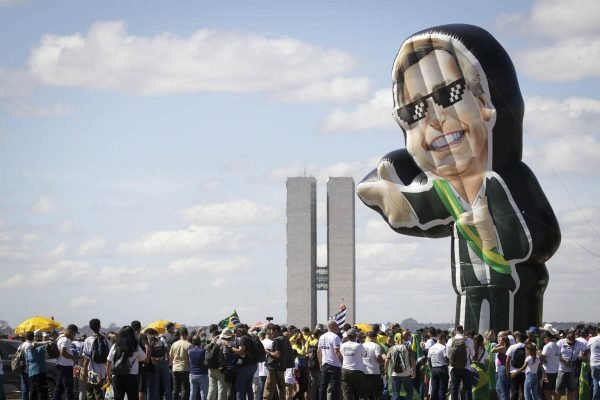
x=330, y=359
x=401, y=378
x=438, y=358
x=354, y=382
x=372, y=361
x=517, y=382
x=550, y=359
x=24, y=374
x=593, y=346
x=64, y=364
x=530, y=367
x=461, y=374
x=94, y=371
x=571, y=352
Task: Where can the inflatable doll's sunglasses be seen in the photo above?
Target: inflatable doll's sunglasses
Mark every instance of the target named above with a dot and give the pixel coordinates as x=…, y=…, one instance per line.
x=443, y=97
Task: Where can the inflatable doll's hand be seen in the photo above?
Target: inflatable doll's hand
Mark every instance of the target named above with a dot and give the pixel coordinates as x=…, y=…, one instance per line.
x=386, y=193
x=479, y=217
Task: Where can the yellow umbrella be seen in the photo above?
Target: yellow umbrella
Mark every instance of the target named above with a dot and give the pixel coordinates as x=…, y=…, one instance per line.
x=37, y=323
x=160, y=326
x=364, y=327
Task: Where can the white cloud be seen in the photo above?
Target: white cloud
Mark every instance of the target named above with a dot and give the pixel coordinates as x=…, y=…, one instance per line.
x=565, y=17
x=66, y=227
x=546, y=116
x=567, y=60
x=14, y=281
x=357, y=170
x=374, y=114
x=29, y=237
x=555, y=18
x=44, y=204
x=185, y=241
x=59, y=251
x=338, y=90
x=108, y=57
x=91, y=246
x=388, y=255
x=560, y=155
x=241, y=212
x=128, y=287
x=214, y=267
x=82, y=301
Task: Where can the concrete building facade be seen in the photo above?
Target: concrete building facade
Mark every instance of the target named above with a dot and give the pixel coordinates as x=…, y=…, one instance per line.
x=304, y=277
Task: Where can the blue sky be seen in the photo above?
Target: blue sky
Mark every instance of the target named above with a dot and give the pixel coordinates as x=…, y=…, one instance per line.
x=144, y=148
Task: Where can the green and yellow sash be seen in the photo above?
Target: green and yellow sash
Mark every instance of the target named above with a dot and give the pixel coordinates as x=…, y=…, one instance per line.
x=493, y=258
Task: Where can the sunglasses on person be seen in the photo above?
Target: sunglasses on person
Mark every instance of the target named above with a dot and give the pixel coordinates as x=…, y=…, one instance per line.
x=444, y=97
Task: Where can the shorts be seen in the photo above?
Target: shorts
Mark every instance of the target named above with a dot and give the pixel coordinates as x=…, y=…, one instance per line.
x=566, y=380
x=549, y=382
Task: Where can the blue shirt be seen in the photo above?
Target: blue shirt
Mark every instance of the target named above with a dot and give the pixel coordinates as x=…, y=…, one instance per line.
x=197, y=366
x=36, y=360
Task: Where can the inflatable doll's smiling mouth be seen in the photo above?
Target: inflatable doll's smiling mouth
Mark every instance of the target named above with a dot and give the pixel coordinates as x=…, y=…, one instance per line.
x=447, y=140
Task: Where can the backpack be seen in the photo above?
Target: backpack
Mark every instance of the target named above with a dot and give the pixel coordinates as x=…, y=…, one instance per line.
x=398, y=362
x=257, y=352
x=99, y=350
x=213, y=356
x=18, y=361
x=457, y=353
x=121, y=366
x=52, y=350
x=312, y=358
x=287, y=354
x=518, y=358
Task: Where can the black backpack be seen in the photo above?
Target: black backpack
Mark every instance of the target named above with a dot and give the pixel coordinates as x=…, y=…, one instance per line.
x=398, y=362
x=213, y=356
x=99, y=350
x=121, y=366
x=312, y=359
x=518, y=358
x=52, y=350
x=257, y=351
x=286, y=353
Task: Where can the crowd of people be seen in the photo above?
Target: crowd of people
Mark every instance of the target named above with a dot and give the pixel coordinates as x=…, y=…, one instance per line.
x=273, y=362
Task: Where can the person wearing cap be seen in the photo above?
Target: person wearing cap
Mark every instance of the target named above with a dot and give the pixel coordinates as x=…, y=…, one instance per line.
x=35, y=357
x=571, y=352
x=550, y=359
x=23, y=375
x=64, y=364
x=404, y=378
x=354, y=382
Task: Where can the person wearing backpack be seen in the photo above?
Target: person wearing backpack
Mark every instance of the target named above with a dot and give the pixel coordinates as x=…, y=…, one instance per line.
x=36, y=368
x=18, y=364
x=515, y=358
x=123, y=363
x=275, y=383
x=95, y=353
x=460, y=353
x=401, y=362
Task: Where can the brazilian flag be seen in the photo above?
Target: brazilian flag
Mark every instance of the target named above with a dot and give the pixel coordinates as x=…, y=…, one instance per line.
x=229, y=322
x=584, y=383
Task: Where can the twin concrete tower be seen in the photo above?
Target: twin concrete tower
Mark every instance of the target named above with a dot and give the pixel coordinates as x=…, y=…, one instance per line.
x=304, y=277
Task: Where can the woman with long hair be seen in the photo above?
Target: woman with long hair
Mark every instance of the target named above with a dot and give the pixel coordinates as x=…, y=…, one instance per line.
x=124, y=378
x=502, y=382
x=531, y=366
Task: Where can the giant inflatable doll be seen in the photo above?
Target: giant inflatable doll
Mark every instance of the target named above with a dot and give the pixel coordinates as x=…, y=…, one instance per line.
x=457, y=99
